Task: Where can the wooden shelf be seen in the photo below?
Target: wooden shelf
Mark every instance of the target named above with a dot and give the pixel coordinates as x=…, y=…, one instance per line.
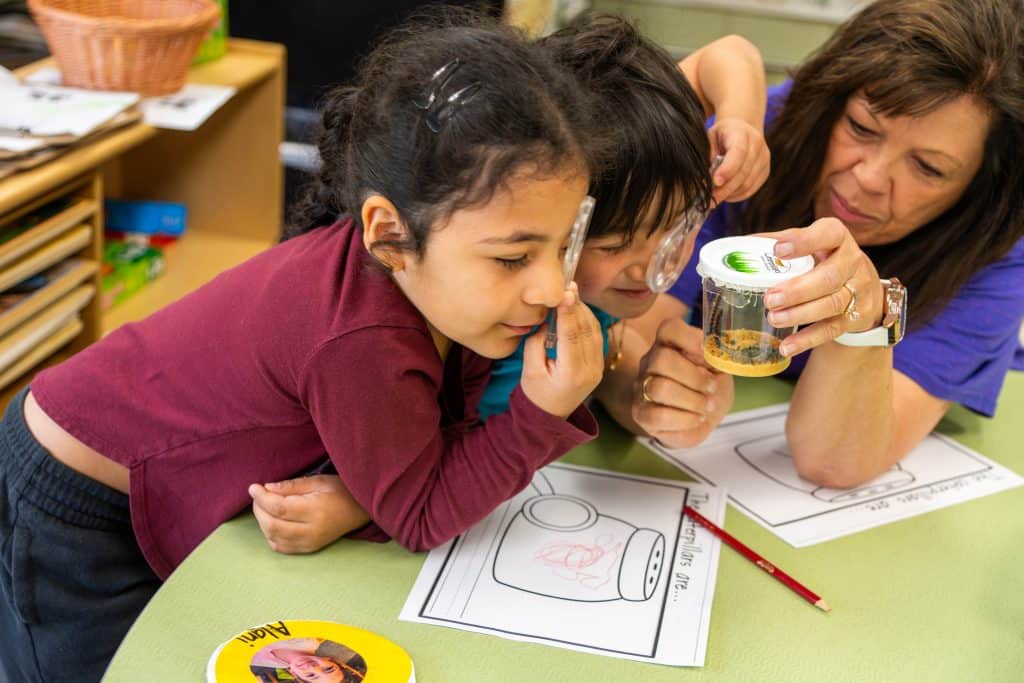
x=246, y=64
x=25, y=186
x=227, y=174
x=192, y=261
x=64, y=221
x=51, y=243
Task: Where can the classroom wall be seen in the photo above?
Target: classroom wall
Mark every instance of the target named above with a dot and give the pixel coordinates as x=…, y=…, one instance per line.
x=785, y=33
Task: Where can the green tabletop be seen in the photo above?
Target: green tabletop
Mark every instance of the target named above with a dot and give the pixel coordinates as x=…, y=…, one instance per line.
x=938, y=597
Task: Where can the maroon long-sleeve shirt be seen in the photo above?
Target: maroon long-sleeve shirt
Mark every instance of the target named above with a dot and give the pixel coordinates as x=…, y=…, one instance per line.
x=303, y=350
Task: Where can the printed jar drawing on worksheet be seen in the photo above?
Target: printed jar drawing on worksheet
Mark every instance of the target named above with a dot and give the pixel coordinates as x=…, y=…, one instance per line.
x=561, y=547
x=748, y=456
x=585, y=559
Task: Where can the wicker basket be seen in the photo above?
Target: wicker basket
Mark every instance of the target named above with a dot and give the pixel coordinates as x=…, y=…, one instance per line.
x=143, y=46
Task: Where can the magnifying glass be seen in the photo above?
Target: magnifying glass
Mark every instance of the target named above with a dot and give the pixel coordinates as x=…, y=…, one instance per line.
x=577, y=236
x=669, y=260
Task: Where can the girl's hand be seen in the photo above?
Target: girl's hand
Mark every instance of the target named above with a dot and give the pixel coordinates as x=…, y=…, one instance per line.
x=678, y=399
x=558, y=386
x=747, y=159
x=306, y=514
x=820, y=298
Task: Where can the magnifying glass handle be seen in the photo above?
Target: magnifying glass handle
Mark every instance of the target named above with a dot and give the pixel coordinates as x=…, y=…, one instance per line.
x=551, y=340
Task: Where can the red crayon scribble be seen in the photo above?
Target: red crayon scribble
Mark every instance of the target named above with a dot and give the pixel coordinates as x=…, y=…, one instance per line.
x=590, y=565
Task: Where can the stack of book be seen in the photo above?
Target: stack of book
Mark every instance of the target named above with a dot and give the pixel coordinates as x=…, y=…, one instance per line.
x=44, y=282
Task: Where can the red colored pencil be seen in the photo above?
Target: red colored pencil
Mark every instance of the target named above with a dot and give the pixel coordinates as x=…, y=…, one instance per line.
x=764, y=564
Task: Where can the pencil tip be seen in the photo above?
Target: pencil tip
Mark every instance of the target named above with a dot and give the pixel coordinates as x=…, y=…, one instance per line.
x=822, y=605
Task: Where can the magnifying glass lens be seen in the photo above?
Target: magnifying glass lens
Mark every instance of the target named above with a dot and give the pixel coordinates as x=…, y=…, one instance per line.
x=577, y=238
x=669, y=260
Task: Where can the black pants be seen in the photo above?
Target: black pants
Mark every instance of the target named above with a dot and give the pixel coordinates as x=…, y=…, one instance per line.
x=72, y=578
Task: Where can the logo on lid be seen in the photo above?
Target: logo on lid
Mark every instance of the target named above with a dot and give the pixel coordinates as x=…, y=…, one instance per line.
x=745, y=262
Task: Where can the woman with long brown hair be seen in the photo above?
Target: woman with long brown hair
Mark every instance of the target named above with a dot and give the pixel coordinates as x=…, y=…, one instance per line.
x=897, y=145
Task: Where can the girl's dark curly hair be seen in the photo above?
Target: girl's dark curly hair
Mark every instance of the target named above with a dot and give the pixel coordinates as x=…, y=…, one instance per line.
x=529, y=113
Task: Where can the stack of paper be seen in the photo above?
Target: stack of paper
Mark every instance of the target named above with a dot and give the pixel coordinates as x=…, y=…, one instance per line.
x=39, y=122
x=186, y=109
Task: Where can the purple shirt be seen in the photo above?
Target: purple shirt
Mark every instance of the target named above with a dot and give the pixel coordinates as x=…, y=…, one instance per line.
x=962, y=355
x=306, y=349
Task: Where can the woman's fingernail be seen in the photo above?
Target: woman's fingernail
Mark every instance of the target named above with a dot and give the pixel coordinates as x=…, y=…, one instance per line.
x=709, y=406
x=711, y=388
x=773, y=299
x=778, y=318
x=786, y=350
x=784, y=249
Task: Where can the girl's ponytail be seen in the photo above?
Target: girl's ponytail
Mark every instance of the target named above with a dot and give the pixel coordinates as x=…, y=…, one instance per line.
x=320, y=203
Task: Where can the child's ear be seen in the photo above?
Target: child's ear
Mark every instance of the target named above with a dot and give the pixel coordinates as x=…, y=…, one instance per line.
x=382, y=227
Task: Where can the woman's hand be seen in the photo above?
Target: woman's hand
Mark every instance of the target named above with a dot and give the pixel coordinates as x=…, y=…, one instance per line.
x=746, y=160
x=558, y=386
x=820, y=298
x=305, y=514
x=678, y=399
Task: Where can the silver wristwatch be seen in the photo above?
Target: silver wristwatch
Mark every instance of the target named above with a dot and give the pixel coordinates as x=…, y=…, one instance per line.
x=894, y=320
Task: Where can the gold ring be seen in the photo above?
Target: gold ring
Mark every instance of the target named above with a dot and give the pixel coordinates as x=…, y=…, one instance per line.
x=851, y=312
x=643, y=389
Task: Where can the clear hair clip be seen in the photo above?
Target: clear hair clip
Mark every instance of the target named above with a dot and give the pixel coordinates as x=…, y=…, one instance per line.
x=437, y=116
x=437, y=83
x=439, y=108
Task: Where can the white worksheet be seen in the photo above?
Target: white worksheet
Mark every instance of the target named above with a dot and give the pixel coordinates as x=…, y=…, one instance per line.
x=186, y=109
x=584, y=559
x=748, y=456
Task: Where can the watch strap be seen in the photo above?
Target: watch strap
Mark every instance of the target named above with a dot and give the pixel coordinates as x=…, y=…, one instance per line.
x=876, y=336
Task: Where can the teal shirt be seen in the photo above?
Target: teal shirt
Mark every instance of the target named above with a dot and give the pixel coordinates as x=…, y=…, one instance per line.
x=506, y=372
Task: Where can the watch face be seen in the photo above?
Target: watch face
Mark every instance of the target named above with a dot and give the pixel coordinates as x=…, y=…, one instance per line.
x=900, y=328
x=896, y=313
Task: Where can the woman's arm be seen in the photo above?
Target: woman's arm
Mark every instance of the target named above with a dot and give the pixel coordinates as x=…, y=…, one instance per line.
x=853, y=416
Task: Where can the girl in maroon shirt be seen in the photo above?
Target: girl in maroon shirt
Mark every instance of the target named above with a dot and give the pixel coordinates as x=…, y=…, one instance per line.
x=452, y=173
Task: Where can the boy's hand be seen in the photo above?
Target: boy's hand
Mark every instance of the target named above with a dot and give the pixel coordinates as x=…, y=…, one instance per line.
x=305, y=514
x=747, y=159
x=558, y=386
x=677, y=398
